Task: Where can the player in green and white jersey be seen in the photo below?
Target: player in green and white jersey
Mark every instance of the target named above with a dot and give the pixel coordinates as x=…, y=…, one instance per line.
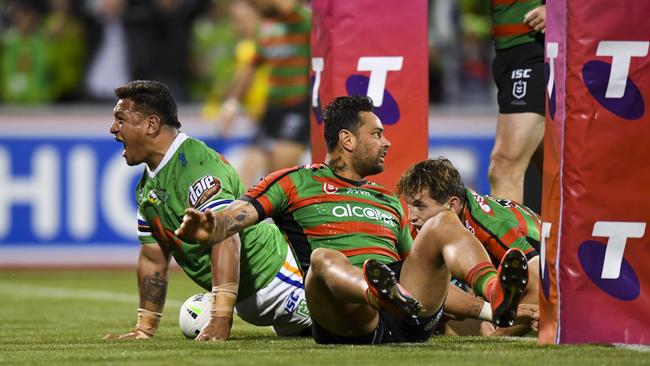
x=353, y=236
x=254, y=271
x=434, y=185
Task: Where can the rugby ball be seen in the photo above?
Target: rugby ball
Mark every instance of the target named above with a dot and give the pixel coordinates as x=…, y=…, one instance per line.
x=194, y=314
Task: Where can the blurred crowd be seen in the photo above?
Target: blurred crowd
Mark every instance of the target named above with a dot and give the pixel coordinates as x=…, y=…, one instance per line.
x=62, y=51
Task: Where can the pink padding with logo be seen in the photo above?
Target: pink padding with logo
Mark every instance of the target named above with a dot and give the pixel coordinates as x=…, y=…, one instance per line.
x=363, y=47
x=595, y=281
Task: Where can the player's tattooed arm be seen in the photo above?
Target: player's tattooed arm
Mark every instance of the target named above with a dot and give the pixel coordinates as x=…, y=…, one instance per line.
x=210, y=228
x=238, y=216
x=338, y=165
x=153, y=265
x=153, y=289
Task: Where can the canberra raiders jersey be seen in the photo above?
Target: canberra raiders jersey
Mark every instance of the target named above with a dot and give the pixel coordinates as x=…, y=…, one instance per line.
x=315, y=208
x=193, y=175
x=501, y=224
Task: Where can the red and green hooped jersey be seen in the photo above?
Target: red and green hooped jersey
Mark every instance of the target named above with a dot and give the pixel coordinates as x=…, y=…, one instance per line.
x=501, y=224
x=508, y=28
x=193, y=175
x=283, y=44
x=315, y=208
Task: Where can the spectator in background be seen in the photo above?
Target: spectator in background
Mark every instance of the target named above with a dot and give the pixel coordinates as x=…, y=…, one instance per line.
x=475, y=51
x=23, y=56
x=444, y=51
x=66, y=50
x=212, y=56
x=158, y=41
x=283, y=45
x=109, y=60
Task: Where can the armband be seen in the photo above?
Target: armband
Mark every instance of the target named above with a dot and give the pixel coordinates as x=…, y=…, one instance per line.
x=148, y=322
x=224, y=298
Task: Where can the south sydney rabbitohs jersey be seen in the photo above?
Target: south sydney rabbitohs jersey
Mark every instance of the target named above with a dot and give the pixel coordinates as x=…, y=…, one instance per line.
x=508, y=28
x=315, y=208
x=501, y=224
x=193, y=175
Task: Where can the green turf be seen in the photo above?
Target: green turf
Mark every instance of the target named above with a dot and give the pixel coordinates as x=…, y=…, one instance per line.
x=59, y=317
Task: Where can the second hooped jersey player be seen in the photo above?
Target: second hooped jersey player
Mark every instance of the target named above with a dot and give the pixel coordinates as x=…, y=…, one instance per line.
x=315, y=208
x=501, y=224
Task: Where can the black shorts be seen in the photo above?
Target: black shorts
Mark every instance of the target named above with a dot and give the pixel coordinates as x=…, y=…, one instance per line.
x=390, y=328
x=284, y=123
x=519, y=74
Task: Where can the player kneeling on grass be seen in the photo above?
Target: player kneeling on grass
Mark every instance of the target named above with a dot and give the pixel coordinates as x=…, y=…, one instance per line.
x=433, y=186
x=368, y=282
x=253, y=271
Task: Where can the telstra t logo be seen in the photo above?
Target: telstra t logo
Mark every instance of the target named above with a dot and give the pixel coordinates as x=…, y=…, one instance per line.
x=373, y=85
x=610, y=84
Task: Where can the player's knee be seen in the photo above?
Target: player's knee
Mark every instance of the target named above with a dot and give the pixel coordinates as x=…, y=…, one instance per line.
x=430, y=230
x=504, y=168
x=321, y=259
x=501, y=162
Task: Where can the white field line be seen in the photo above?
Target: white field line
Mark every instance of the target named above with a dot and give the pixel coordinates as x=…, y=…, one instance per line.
x=633, y=347
x=30, y=291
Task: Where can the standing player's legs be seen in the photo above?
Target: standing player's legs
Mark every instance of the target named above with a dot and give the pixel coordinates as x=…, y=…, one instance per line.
x=336, y=295
x=254, y=165
x=519, y=75
x=518, y=136
x=286, y=130
x=285, y=154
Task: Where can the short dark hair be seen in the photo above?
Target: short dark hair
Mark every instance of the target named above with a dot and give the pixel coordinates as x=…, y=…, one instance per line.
x=437, y=175
x=151, y=97
x=343, y=114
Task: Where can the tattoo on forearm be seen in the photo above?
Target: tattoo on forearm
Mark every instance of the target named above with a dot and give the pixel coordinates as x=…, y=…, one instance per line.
x=153, y=288
x=241, y=216
x=231, y=223
x=338, y=165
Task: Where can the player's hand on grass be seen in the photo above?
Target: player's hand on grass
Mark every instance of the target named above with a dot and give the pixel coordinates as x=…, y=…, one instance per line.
x=527, y=319
x=217, y=329
x=135, y=334
x=196, y=226
x=487, y=328
x=536, y=19
x=528, y=314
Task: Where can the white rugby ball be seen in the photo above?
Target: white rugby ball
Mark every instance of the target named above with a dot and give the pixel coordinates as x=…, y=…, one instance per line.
x=194, y=314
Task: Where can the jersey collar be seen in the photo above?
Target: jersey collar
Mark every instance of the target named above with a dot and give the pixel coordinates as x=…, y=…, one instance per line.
x=180, y=138
x=356, y=183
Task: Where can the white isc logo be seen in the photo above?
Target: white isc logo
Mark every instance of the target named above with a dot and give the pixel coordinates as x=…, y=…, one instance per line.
x=364, y=212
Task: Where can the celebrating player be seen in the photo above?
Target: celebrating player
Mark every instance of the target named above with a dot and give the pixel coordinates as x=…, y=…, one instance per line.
x=434, y=185
x=253, y=270
x=348, y=232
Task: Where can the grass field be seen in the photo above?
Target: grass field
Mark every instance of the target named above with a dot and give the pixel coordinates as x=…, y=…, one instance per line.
x=59, y=317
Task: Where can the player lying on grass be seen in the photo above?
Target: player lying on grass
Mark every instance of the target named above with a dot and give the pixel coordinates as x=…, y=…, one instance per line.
x=434, y=185
x=361, y=286
x=253, y=271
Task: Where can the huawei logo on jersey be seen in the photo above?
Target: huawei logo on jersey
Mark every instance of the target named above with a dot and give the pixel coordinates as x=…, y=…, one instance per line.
x=330, y=188
x=202, y=189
